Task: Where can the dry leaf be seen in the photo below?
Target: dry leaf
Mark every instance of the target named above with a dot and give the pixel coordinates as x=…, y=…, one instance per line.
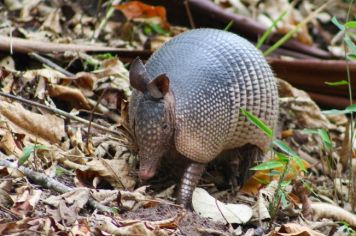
x=137, y=227
x=293, y=229
x=72, y=95
x=52, y=22
x=47, y=127
x=116, y=172
x=67, y=205
x=8, y=144
x=51, y=75
x=26, y=202
x=207, y=206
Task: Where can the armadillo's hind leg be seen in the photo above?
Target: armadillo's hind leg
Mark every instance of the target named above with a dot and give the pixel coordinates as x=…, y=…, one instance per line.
x=250, y=156
x=189, y=181
x=245, y=158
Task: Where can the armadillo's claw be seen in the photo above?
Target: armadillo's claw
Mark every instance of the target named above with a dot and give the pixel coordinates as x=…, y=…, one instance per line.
x=189, y=181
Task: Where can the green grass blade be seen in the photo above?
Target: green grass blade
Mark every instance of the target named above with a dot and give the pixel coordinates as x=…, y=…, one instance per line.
x=337, y=83
x=299, y=162
x=322, y=134
x=290, y=34
x=268, y=165
x=337, y=24
x=350, y=24
x=26, y=153
x=269, y=29
x=347, y=110
x=259, y=123
x=228, y=26
x=284, y=147
x=325, y=138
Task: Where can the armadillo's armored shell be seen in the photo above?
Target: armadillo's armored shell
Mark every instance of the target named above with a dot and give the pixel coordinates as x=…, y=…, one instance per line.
x=212, y=75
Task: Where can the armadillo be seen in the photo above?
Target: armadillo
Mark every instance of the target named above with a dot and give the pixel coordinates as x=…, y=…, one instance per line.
x=188, y=98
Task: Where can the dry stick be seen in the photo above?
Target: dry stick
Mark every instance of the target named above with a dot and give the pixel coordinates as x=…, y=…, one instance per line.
x=189, y=13
x=47, y=182
x=50, y=64
x=25, y=46
x=92, y=115
x=60, y=112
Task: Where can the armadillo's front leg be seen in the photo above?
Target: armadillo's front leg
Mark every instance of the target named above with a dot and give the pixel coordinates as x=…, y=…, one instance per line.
x=189, y=181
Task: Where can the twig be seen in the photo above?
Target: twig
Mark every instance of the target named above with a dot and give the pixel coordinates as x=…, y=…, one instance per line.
x=189, y=13
x=47, y=182
x=60, y=112
x=50, y=64
x=91, y=115
x=27, y=46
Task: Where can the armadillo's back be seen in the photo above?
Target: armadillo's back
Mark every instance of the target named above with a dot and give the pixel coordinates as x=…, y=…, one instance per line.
x=213, y=74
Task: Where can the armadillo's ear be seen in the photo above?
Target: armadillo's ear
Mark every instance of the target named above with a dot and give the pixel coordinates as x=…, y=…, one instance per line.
x=138, y=75
x=159, y=86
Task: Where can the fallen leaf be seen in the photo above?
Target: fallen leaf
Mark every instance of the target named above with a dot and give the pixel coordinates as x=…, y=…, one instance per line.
x=292, y=229
x=24, y=121
x=26, y=202
x=207, y=206
x=116, y=172
x=8, y=144
x=52, y=22
x=72, y=95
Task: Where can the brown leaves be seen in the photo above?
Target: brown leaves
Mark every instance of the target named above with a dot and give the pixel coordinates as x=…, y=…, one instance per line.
x=139, y=227
x=116, y=172
x=73, y=95
x=292, y=229
x=46, y=127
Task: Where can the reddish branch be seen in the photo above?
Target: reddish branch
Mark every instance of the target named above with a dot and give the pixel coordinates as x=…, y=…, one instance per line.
x=27, y=46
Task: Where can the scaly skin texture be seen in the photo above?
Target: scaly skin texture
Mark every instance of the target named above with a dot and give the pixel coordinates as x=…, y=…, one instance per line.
x=188, y=97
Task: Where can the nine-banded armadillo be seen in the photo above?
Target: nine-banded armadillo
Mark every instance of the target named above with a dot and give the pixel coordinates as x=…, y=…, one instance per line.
x=188, y=98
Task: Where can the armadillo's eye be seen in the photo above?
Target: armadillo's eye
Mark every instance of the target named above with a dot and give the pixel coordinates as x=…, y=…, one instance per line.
x=165, y=126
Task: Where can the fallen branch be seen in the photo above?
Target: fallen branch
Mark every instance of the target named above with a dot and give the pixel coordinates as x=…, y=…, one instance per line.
x=51, y=64
x=47, y=182
x=27, y=46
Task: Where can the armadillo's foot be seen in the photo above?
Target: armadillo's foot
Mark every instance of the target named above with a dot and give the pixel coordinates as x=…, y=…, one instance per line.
x=189, y=181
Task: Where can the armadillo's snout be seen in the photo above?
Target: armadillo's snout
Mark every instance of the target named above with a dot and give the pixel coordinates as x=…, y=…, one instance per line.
x=148, y=165
x=145, y=174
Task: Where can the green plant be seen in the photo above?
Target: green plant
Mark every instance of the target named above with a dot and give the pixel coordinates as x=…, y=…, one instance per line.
x=349, y=54
x=150, y=27
x=285, y=155
x=28, y=150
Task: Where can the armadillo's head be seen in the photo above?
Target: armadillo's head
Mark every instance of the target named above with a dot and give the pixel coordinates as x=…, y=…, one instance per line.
x=153, y=120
